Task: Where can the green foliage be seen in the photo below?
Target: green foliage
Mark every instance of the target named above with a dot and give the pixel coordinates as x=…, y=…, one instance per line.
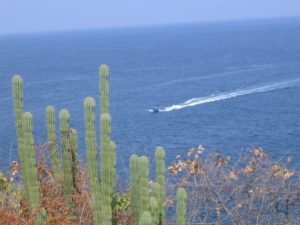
x=160, y=156
x=4, y=182
x=181, y=206
x=121, y=202
x=9, y=194
x=146, y=219
x=54, y=155
x=64, y=117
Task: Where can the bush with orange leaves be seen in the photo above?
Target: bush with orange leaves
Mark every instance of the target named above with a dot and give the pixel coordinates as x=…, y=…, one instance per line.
x=14, y=208
x=250, y=190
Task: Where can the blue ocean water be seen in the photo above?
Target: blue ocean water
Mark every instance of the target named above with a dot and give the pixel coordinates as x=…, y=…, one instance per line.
x=227, y=86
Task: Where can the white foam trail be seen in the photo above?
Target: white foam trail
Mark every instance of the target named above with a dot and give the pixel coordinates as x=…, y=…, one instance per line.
x=227, y=95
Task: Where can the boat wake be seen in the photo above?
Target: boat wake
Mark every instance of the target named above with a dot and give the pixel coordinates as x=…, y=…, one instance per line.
x=227, y=95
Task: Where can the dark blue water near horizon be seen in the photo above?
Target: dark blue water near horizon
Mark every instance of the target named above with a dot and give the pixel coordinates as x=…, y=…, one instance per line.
x=235, y=85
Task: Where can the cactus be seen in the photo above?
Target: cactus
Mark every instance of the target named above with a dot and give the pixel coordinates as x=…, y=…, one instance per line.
x=106, y=170
x=146, y=219
x=91, y=149
x=181, y=206
x=17, y=92
x=54, y=155
x=104, y=89
x=29, y=168
x=143, y=165
x=154, y=210
x=112, y=163
x=139, y=185
x=64, y=118
x=156, y=193
x=160, y=178
x=74, y=149
x=134, y=178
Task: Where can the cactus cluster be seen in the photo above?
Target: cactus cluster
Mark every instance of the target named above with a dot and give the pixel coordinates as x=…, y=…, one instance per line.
x=151, y=209
x=148, y=204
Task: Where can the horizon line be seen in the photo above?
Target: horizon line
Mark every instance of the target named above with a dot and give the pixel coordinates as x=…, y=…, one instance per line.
x=151, y=25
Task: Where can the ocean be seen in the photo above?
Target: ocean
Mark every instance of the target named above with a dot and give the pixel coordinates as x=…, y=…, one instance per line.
x=229, y=86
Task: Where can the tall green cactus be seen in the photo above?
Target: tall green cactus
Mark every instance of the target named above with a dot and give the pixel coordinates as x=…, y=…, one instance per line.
x=64, y=117
x=143, y=168
x=134, y=181
x=91, y=149
x=154, y=210
x=106, y=170
x=29, y=168
x=146, y=219
x=181, y=206
x=17, y=92
x=54, y=155
x=160, y=178
x=104, y=88
x=139, y=185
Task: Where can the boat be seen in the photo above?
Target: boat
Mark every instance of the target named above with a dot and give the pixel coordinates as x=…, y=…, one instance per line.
x=155, y=109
